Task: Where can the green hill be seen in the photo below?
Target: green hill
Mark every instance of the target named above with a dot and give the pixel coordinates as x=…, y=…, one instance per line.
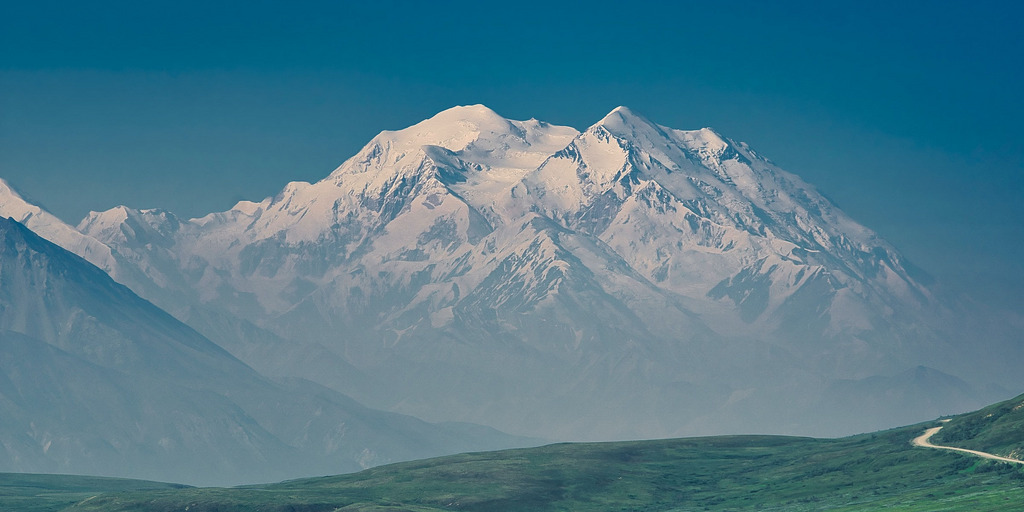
x=26, y=492
x=997, y=429
x=859, y=473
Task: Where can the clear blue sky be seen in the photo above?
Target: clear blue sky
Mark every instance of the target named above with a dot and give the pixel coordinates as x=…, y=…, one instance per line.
x=908, y=116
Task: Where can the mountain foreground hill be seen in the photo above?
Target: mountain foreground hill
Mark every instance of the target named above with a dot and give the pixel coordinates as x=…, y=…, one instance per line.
x=875, y=471
x=95, y=380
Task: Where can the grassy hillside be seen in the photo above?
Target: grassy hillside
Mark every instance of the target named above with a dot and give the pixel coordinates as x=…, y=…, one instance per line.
x=44, y=493
x=997, y=429
x=860, y=473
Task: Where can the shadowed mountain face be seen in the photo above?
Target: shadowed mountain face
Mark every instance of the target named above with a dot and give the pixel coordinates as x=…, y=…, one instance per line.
x=627, y=281
x=95, y=380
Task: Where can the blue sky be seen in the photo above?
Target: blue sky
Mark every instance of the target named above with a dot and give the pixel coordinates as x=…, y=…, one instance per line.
x=908, y=116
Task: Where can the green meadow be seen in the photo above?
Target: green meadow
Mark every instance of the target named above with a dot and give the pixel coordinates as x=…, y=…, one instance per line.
x=859, y=473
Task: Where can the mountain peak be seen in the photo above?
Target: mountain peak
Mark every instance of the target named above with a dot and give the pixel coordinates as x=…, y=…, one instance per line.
x=48, y=226
x=622, y=110
x=621, y=117
x=457, y=127
x=453, y=129
x=477, y=112
x=13, y=205
x=475, y=135
x=623, y=122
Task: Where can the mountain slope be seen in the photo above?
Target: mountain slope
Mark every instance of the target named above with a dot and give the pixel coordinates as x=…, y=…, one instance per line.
x=46, y=225
x=708, y=218
x=994, y=429
x=95, y=380
x=629, y=280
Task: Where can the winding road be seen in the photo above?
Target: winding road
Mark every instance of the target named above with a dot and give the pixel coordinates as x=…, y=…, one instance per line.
x=923, y=440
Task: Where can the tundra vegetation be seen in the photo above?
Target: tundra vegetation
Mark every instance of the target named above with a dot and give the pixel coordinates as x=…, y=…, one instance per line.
x=857, y=473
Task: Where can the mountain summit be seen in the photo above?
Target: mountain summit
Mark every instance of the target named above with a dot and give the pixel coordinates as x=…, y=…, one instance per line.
x=629, y=280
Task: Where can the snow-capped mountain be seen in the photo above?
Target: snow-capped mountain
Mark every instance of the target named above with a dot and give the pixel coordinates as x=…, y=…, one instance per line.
x=95, y=380
x=45, y=224
x=630, y=280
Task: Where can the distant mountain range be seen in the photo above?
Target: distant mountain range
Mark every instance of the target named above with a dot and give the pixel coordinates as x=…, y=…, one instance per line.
x=627, y=281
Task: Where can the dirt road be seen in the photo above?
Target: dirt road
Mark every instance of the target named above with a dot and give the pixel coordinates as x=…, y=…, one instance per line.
x=923, y=440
